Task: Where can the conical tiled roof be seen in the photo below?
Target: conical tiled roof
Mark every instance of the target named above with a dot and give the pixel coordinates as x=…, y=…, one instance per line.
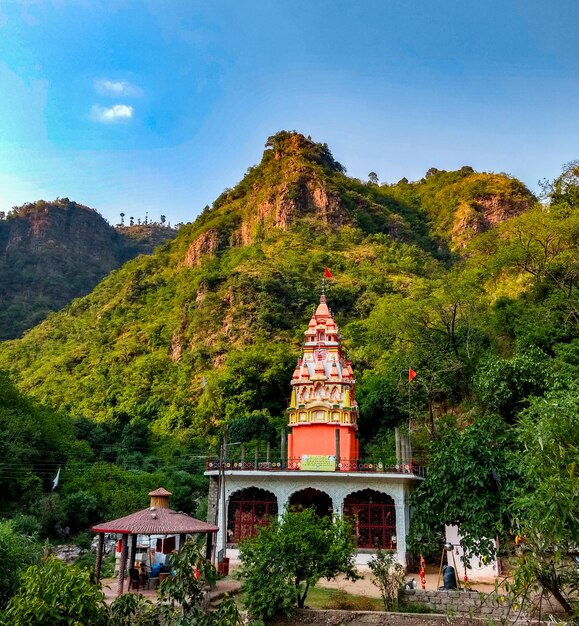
x=160, y=492
x=155, y=521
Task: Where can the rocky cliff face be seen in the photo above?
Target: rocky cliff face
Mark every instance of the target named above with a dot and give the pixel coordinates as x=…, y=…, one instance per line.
x=479, y=216
x=52, y=252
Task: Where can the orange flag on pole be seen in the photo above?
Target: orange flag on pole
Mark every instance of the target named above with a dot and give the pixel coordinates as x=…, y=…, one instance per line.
x=411, y=375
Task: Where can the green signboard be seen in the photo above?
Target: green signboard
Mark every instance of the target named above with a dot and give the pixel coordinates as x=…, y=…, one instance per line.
x=318, y=463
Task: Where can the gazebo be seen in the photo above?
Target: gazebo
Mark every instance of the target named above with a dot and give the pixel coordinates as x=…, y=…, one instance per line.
x=158, y=519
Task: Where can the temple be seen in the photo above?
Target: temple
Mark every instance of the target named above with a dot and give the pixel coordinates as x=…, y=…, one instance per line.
x=323, y=414
x=319, y=465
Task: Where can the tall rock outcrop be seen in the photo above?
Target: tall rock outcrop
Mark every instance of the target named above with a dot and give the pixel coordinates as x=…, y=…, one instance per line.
x=52, y=252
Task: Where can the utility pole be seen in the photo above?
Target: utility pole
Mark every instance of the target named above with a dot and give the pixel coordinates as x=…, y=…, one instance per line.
x=222, y=498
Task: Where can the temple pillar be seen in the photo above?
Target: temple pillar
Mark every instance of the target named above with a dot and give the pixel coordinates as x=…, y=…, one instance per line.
x=401, y=527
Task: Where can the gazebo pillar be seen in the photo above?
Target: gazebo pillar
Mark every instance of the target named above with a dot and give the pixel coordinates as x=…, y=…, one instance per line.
x=133, y=551
x=99, y=556
x=182, y=539
x=209, y=546
x=122, y=565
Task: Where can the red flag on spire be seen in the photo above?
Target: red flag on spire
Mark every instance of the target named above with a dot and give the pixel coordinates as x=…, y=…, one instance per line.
x=328, y=274
x=411, y=374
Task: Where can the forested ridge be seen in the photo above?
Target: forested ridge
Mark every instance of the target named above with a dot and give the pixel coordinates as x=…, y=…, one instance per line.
x=464, y=276
x=52, y=252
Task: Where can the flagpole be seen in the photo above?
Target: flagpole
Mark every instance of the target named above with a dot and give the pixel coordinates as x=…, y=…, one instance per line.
x=409, y=413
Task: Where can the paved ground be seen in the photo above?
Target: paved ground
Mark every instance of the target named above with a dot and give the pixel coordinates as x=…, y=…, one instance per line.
x=365, y=587
x=362, y=587
x=226, y=585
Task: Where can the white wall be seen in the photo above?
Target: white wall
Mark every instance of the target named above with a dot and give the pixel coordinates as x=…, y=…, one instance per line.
x=476, y=569
x=336, y=484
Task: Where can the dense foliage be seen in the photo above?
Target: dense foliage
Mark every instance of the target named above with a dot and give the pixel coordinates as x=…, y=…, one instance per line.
x=17, y=552
x=462, y=276
x=105, y=472
x=289, y=556
x=53, y=592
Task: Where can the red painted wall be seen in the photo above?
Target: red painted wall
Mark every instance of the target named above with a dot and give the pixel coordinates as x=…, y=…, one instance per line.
x=321, y=439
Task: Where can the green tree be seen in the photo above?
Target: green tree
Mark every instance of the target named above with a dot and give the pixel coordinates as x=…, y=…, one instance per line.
x=254, y=427
x=546, y=503
x=59, y=594
x=17, y=552
x=469, y=484
x=504, y=385
x=181, y=597
x=563, y=192
x=289, y=556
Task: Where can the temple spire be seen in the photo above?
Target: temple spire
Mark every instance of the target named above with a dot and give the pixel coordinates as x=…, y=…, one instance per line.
x=323, y=385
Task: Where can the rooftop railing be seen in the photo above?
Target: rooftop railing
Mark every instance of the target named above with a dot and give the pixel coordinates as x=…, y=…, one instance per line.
x=362, y=466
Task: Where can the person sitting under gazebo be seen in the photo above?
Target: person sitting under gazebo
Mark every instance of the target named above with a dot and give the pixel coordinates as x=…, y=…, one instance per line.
x=143, y=573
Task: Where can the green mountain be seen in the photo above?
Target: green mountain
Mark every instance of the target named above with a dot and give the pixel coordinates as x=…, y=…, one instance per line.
x=208, y=327
x=52, y=252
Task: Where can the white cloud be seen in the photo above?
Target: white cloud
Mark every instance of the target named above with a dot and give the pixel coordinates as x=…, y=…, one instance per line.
x=110, y=115
x=116, y=88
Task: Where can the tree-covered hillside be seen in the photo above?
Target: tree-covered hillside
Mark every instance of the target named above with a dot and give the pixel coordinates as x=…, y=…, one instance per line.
x=227, y=301
x=52, y=252
x=463, y=276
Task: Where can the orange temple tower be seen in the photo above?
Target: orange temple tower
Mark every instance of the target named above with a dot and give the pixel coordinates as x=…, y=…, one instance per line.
x=323, y=413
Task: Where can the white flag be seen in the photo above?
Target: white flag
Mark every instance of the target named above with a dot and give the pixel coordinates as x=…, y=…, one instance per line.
x=56, y=480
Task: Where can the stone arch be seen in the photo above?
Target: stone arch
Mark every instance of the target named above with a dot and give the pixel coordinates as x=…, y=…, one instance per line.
x=310, y=497
x=373, y=514
x=247, y=511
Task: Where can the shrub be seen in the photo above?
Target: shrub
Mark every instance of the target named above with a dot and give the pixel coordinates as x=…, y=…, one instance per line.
x=17, y=552
x=388, y=577
x=56, y=593
x=288, y=557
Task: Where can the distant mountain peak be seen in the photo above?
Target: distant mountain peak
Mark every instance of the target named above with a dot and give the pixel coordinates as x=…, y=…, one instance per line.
x=292, y=143
x=54, y=251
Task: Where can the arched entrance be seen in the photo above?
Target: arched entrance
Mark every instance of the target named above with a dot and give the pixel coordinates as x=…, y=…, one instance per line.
x=249, y=509
x=309, y=497
x=374, y=517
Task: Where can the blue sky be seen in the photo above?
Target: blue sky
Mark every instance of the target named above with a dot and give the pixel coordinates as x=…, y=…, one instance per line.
x=158, y=105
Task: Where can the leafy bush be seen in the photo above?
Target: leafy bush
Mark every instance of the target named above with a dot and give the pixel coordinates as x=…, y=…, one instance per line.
x=133, y=609
x=26, y=525
x=288, y=557
x=56, y=593
x=17, y=552
x=388, y=577
x=181, y=596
